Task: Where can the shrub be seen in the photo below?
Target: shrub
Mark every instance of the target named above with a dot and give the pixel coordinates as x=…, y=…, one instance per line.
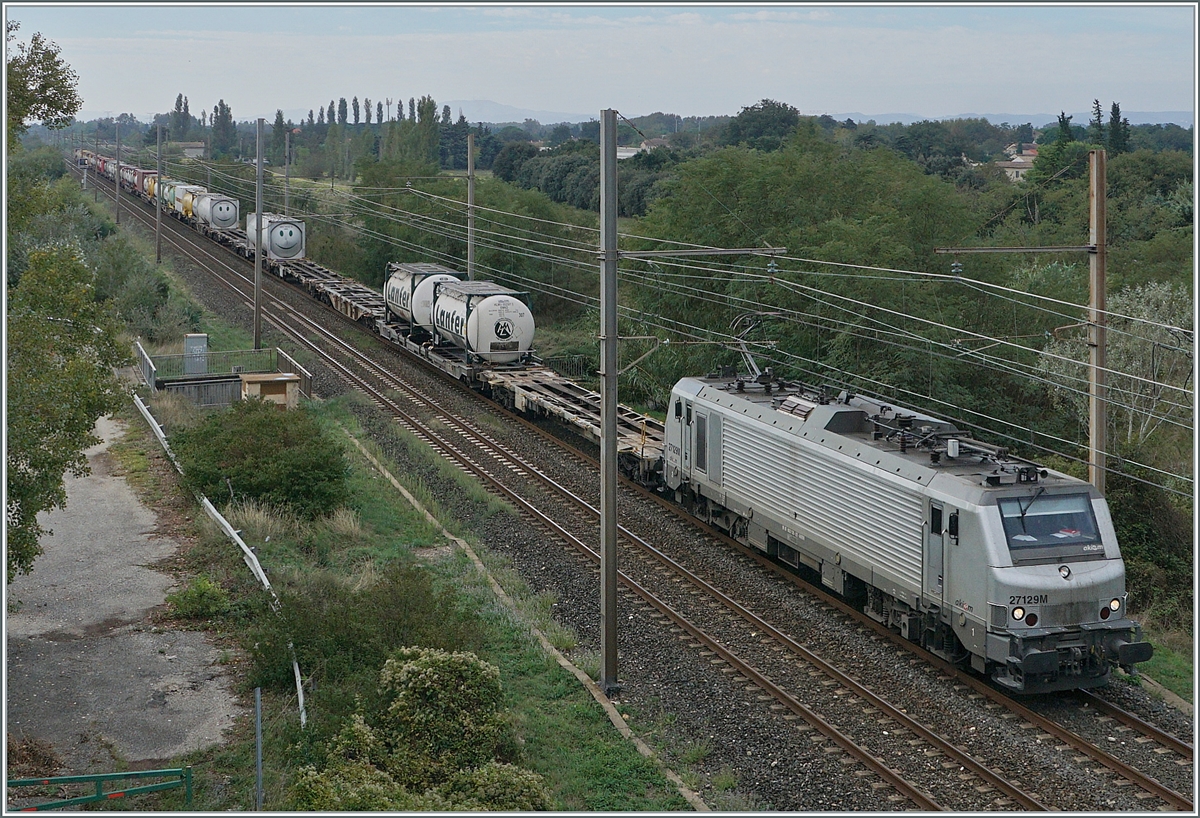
x=201, y=599
x=498, y=786
x=341, y=632
x=445, y=707
x=255, y=451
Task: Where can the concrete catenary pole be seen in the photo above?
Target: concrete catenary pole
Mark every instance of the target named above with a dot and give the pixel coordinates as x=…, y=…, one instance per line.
x=1098, y=394
x=258, y=239
x=158, y=202
x=608, y=401
x=470, y=207
x=117, y=179
x=96, y=186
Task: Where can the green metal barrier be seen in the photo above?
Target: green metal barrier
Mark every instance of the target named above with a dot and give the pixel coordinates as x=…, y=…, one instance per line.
x=182, y=776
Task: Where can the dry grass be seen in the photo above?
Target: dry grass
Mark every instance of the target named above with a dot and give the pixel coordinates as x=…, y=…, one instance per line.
x=31, y=758
x=345, y=524
x=258, y=521
x=174, y=412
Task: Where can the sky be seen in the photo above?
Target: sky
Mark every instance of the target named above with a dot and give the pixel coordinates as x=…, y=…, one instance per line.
x=693, y=60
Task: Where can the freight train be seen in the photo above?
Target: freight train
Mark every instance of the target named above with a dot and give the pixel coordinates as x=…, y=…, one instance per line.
x=985, y=559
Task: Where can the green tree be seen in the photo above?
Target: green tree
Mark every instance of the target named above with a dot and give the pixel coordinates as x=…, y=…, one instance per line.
x=379, y=112
x=1064, y=134
x=341, y=111
x=1096, y=126
x=560, y=134
x=366, y=112
x=61, y=349
x=1150, y=350
x=40, y=86
x=224, y=131
x=1118, y=131
x=354, y=106
x=330, y=114
x=278, y=138
x=763, y=125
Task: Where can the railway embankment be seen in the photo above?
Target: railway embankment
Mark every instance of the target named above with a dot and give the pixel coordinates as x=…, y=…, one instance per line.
x=91, y=670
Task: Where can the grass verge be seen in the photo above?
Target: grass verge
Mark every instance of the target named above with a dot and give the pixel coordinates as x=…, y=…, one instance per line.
x=564, y=734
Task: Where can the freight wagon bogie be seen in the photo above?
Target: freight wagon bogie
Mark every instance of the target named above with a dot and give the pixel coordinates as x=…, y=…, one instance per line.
x=982, y=558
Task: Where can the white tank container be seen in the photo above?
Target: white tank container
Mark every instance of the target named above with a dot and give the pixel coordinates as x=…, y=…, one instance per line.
x=483, y=318
x=183, y=198
x=283, y=236
x=410, y=287
x=216, y=210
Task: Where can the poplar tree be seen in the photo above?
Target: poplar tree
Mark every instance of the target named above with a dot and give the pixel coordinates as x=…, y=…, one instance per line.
x=278, y=137
x=379, y=112
x=354, y=107
x=366, y=111
x=341, y=111
x=1118, y=131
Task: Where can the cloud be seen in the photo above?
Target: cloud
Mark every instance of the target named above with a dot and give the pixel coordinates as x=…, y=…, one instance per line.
x=689, y=60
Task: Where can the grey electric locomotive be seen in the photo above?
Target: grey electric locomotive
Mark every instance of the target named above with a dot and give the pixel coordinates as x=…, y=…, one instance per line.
x=979, y=556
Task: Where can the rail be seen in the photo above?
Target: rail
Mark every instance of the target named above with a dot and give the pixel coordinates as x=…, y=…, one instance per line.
x=182, y=778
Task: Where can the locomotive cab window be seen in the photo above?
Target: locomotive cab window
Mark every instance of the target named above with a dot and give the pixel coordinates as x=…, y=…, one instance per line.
x=678, y=408
x=701, y=460
x=935, y=519
x=1045, y=521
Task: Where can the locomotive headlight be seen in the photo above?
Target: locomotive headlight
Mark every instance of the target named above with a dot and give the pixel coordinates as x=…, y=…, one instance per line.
x=1115, y=605
x=1018, y=614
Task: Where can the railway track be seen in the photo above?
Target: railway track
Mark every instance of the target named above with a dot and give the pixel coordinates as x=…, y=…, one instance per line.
x=851, y=703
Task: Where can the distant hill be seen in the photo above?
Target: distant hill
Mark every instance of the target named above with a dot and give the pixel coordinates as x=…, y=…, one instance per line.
x=1183, y=119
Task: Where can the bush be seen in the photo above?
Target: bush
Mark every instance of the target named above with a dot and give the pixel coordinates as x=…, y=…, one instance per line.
x=254, y=451
x=445, y=707
x=201, y=599
x=342, y=632
x=1156, y=544
x=432, y=743
x=498, y=786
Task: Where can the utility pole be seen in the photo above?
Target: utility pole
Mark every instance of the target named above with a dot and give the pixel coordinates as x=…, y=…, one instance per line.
x=470, y=207
x=1097, y=336
x=96, y=187
x=609, y=371
x=1097, y=262
x=117, y=177
x=608, y=401
x=287, y=168
x=258, y=240
x=208, y=160
x=158, y=203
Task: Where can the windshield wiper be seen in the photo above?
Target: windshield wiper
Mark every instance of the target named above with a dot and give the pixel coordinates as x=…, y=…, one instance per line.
x=1031, y=502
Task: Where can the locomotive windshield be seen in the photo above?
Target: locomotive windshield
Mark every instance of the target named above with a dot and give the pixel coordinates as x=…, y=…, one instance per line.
x=1048, y=520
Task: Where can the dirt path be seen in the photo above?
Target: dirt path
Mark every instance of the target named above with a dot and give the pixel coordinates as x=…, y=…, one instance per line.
x=86, y=670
